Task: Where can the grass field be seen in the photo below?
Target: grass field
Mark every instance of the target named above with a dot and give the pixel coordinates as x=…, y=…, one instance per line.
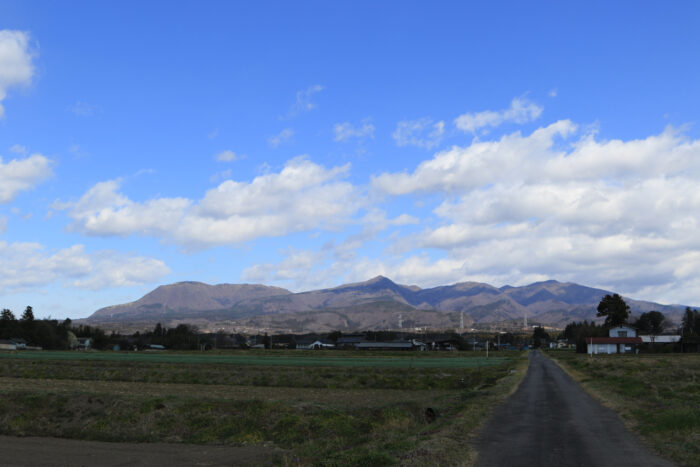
x=658, y=396
x=271, y=358
x=311, y=408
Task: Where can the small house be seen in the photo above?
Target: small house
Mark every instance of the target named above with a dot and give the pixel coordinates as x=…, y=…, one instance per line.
x=316, y=344
x=20, y=343
x=83, y=343
x=7, y=345
x=621, y=339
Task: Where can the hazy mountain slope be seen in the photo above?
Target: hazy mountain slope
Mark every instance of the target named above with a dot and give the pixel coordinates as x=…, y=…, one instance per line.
x=187, y=297
x=372, y=304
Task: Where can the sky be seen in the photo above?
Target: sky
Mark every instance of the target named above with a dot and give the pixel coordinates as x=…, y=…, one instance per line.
x=311, y=144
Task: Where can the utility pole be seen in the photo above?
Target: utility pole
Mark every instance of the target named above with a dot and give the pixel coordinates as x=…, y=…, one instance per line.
x=487, y=348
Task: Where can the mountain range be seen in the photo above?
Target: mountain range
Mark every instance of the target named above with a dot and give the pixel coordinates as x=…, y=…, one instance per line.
x=378, y=303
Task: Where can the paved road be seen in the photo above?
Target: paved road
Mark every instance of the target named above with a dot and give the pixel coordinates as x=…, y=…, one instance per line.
x=551, y=421
x=56, y=452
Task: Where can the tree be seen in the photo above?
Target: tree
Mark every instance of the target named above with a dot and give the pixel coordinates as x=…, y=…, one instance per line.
x=615, y=310
x=538, y=335
x=651, y=323
x=28, y=314
x=7, y=315
x=691, y=322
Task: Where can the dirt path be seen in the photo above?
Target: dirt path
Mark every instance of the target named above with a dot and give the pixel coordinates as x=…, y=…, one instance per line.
x=550, y=420
x=55, y=452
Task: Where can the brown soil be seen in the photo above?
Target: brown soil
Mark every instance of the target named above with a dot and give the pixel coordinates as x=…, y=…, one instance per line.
x=56, y=452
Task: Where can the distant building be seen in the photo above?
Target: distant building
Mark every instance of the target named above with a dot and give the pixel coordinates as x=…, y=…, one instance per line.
x=315, y=344
x=349, y=341
x=622, y=339
x=7, y=345
x=83, y=343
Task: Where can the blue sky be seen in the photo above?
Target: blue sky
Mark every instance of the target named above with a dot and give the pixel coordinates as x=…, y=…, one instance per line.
x=310, y=144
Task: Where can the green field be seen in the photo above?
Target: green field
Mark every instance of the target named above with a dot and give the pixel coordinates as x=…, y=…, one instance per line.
x=300, y=408
x=275, y=358
x=657, y=395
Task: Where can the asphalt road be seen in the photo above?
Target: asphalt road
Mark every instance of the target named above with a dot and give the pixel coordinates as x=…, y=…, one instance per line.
x=56, y=452
x=551, y=421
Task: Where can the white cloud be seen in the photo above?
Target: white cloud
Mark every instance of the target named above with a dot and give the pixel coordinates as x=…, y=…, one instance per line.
x=422, y=133
x=621, y=215
x=282, y=137
x=3, y=224
x=521, y=111
x=480, y=164
x=303, y=102
x=29, y=265
x=16, y=67
x=110, y=269
x=83, y=109
x=227, y=156
x=22, y=174
x=345, y=131
x=303, y=196
x=18, y=149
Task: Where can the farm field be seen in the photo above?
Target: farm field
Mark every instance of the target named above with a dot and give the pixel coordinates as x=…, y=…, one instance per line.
x=657, y=395
x=301, y=408
x=271, y=358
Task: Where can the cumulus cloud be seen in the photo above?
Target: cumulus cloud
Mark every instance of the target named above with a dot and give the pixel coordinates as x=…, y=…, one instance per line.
x=521, y=110
x=22, y=174
x=227, y=156
x=423, y=133
x=302, y=196
x=16, y=67
x=29, y=265
x=558, y=203
x=282, y=137
x=346, y=131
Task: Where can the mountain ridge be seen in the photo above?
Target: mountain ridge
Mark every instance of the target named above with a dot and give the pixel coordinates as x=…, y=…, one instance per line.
x=351, y=306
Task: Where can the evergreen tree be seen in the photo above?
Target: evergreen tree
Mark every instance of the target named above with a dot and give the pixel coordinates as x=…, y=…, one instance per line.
x=28, y=314
x=615, y=310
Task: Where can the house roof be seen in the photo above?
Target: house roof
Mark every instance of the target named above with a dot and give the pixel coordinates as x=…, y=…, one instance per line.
x=614, y=340
x=350, y=339
x=661, y=339
x=385, y=345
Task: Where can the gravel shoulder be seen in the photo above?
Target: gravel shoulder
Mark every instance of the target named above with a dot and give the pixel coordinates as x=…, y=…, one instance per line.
x=550, y=420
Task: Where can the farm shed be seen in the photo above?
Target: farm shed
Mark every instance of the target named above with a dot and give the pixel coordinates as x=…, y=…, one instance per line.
x=7, y=345
x=350, y=341
x=385, y=346
x=317, y=344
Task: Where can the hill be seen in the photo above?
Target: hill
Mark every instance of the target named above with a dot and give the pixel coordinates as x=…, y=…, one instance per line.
x=378, y=303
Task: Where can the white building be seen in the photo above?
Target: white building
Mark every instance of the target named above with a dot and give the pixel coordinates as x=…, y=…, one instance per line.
x=622, y=339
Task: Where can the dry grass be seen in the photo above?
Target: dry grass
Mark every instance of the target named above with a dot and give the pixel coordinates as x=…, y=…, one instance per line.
x=657, y=395
x=341, y=415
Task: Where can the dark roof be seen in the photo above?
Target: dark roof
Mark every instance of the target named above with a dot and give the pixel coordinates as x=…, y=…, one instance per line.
x=385, y=345
x=350, y=339
x=614, y=340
